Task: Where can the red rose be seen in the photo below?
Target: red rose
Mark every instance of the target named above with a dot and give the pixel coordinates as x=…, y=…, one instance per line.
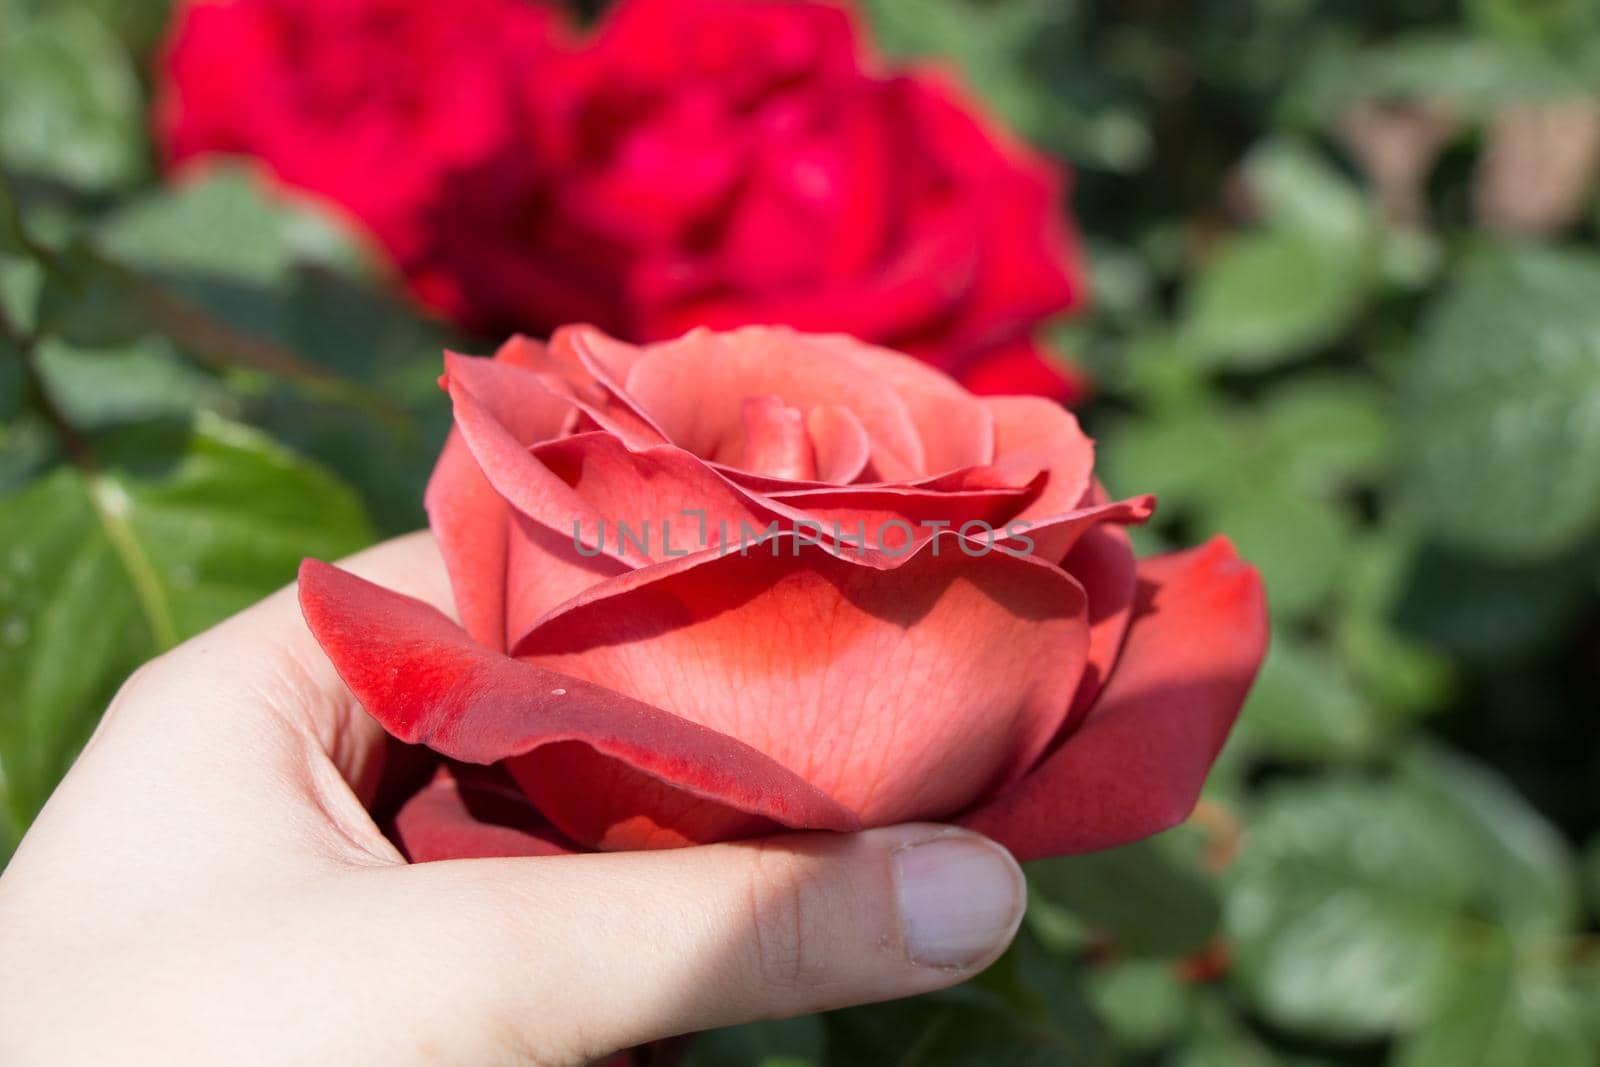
x=368, y=103
x=695, y=162
x=739, y=582
x=722, y=162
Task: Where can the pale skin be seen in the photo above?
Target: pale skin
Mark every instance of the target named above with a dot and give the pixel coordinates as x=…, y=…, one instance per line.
x=206, y=887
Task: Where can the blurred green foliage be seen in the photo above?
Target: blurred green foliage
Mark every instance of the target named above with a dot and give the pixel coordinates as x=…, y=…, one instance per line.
x=1347, y=311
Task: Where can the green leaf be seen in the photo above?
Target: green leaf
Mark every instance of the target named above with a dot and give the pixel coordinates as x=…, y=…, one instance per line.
x=966, y=1027
x=98, y=387
x=1356, y=903
x=88, y=301
x=27, y=441
x=1306, y=707
x=1219, y=1039
x=137, y=23
x=1346, y=904
x=1272, y=488
x=13, y=238
x=1268, y=297
x=21, y=281
x=1503, y=1011
x=783, y=1043
x=1183, y=455
x=180, y=528
x=71, y=107
x=1503, y=405
x=1300, y=193
x=1296, y=540
x=1147, y=897
x=1144, y=1002
x=1529, y=873
x=1480, y=607
x=1401, y=675
x=1274, y=294
x=297, y=299
x=1475, y=74
x=1330, y=431
x=227, y=225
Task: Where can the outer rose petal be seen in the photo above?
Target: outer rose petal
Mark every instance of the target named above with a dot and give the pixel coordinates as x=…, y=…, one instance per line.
x=1054, y=537
x=902, y=693
x=612, y=806
x=460, y=816
x=1136, y=764
x=470, y=519
x=1103, y=562
x=428, y=683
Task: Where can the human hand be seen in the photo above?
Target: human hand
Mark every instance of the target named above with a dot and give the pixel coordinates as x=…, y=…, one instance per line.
x=206, y=886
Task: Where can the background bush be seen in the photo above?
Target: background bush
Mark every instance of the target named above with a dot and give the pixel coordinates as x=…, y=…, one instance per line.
x=1347, y=310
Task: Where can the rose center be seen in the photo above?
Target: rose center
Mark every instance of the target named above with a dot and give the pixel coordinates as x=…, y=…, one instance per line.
x=772, y=440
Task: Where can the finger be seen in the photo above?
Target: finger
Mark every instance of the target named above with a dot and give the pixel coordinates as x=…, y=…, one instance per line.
x=583, y=955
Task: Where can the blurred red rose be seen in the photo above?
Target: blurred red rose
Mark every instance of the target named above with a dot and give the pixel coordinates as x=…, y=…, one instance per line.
x=693, y=162
x=369, y=103
x=740, y=582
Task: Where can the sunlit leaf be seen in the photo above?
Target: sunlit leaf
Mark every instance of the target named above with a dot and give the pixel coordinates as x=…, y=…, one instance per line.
x=1503, y=405
x=71, y=107
x=177, y=529
x=1499, y=1010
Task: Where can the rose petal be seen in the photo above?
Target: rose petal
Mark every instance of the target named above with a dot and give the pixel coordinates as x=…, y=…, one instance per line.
x=611, y=805
x=428, y=683
x=881, y=525
x=490, y=412
x=774, y=441
x=469, y=521
x=469, y=518
x=841, y=443
x=1036, y=431
x=545, y=569
x=1136, y=764
x=694, y=390
x=594, y=366
x=1103, y=562
x=1053, y=537
x=957, y=429
x=458, y=816
x=902, y=693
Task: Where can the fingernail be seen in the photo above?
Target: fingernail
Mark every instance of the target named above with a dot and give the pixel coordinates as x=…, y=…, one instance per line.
x=961, y=898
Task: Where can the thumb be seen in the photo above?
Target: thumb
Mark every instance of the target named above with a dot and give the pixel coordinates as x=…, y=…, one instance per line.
x=572, y=957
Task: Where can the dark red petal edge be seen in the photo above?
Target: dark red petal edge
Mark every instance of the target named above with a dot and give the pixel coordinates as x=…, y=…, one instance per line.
x=1136, y=765
x=429, y=683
